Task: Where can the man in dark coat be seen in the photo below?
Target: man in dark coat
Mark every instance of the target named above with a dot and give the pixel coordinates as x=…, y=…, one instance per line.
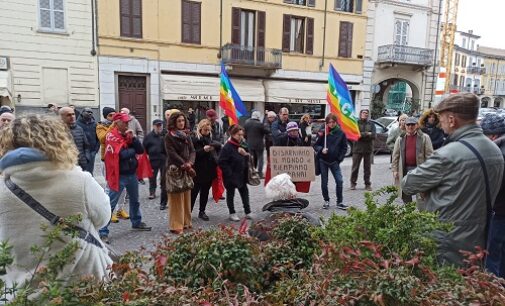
x=67, y=114
x=363, y=150
x=191, y=119
x=270, y=118
x=279, y=126
x=154, y=146
x=87, y=122
x=255, y=133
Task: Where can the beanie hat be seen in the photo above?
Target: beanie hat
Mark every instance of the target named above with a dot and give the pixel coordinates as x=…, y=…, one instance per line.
x=107, y=110
x=291, y=126
x=493, y=124
x=211, y=113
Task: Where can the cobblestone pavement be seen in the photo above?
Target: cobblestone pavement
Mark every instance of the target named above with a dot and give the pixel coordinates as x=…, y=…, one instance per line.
x=124, y=239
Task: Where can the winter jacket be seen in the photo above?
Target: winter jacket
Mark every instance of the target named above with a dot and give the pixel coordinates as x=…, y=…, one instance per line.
x=179, y=148
x=89, y=128
x=102, y=128
x=268, y=137
x=393, y=135
x=453, y=185
x=365, y=143
x=217, y=132
x=336, y=143
x=286, y=141
x=81, y=142
x=499, y=204
x=233, y=165
x=128, y=157
x=278, y=130
x=255, y=133
x=135, y=126
x=423, y=150
x=436, y=134
x=154, y=145
x=226, y=123
x=64, y=192
x=205, y=162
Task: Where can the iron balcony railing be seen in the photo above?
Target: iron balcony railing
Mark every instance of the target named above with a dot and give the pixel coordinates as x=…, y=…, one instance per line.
x=475, y=90
x=251, y=56
x=476, y=70
x=405, y=55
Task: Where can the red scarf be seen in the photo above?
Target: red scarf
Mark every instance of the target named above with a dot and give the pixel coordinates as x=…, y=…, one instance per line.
x=114, y=142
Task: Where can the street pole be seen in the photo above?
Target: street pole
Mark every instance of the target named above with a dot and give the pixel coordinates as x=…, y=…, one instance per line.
x=436, y=54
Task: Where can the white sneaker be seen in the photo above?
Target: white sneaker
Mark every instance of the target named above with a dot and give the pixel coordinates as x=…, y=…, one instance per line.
x=249, y=216
x=234, y=217
x=326, y=205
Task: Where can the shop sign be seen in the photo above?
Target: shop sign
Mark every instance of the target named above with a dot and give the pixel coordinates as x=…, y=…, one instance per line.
x=197, y=98
x=306, y=101
x=4, y=63
x=298, y=162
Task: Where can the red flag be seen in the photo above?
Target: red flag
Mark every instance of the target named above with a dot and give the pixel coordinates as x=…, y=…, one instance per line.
x=268, y=174
x=144, y=169
x=218, y=186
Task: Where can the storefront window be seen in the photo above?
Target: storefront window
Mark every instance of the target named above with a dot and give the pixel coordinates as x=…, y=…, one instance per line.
x=200, y=107
x=296, y=111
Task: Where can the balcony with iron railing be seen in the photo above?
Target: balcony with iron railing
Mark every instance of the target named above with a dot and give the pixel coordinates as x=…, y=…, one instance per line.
x=475, y=90
x=399, y=54
x=476, y=70
x=255, y=57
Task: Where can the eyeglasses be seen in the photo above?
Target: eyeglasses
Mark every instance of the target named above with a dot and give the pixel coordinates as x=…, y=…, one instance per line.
x=410, y=124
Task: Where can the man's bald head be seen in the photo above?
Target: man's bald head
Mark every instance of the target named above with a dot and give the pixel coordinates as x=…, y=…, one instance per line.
x=67, y=114
x=6, y=119
x=125, y=110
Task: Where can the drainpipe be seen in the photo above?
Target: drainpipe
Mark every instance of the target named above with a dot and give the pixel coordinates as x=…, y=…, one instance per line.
x=496, y=77
x=220, y=28
x=436, y=55
x=321, y=65
x=93, y=34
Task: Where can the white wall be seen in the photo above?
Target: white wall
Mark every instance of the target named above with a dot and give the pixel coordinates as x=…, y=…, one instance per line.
x=33, y=51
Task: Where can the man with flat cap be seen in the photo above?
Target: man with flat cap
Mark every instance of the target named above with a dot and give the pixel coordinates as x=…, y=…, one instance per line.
x=460, y=180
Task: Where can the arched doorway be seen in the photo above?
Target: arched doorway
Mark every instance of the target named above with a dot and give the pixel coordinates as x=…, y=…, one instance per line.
x=393, y=96
x=485, y=102
x=498, y=102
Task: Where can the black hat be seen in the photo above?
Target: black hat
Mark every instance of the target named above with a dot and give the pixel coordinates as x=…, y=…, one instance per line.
x=107, y=110
x=157, y=121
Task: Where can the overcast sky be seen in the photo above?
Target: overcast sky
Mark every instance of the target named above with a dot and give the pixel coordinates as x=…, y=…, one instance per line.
x=485, y=18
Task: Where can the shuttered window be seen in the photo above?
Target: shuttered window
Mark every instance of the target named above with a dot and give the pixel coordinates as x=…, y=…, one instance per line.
x=191, y=22
x=131, y=18
x=345, y=39
x=52, y=15
x=298, y=34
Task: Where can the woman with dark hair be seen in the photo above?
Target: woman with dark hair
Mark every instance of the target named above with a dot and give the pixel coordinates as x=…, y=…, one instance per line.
x=205, y=165
x=233, y=161
x=180, y=160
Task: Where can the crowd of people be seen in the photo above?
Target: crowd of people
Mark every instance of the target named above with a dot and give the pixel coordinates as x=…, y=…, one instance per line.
x=452, y=166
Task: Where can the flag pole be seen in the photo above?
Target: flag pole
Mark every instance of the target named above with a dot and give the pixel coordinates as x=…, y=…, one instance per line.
x=325, y=133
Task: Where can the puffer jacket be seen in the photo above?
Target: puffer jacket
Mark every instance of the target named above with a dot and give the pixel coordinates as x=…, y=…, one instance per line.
x=155, y=147
x=102, y=128
x=81, y=142
x=436, y=133
x=128, y=157
x=452, y=183
x=233, y=165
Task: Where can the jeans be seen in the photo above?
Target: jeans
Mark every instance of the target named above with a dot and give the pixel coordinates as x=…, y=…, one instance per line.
x=337, y=175
x=203, y=189
x=258, y=160
x=130, y=182
x=367, y=165
x=91, y=163
x=495, y=260
x=244, y=195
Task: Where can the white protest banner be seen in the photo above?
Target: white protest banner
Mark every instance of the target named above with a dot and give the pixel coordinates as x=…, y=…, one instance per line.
x=298, y=162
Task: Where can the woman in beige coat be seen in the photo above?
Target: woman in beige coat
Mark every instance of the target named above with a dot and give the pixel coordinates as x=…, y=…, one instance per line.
x=411, y=149
x=38, y=154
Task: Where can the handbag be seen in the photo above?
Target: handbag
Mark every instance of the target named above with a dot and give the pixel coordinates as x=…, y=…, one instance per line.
x=178, y=180
x=253, y=176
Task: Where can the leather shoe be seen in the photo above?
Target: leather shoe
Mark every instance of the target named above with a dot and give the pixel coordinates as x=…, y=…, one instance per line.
x=203, y=216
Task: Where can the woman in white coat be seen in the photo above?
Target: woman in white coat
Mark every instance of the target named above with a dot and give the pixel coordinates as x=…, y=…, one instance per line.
x=38, y=154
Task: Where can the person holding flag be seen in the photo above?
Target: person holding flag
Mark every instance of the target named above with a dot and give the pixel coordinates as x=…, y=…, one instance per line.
x=330, y=147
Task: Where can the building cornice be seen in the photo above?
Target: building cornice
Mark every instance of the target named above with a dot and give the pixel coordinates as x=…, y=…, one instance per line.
x=403, y=4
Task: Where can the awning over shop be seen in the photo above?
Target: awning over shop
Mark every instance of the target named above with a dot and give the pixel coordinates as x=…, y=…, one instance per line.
x=5, y=90
x=201, y=88
x=295, y=92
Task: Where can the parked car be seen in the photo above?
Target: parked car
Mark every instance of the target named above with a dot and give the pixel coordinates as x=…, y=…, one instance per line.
x=379, y=143
x=390, y=112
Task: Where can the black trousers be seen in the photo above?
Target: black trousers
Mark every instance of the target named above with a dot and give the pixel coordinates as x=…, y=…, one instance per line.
x=157, y=168
x=244, y=195
x=164, y=194
x=203, y=188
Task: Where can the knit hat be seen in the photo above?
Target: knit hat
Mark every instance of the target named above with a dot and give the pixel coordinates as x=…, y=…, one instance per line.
x=256, y=115
x=291, y=126
x=107, y=110
x=493, y=124
x=211, y=113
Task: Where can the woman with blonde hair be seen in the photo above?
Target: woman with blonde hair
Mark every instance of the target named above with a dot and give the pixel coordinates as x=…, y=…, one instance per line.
x=38, y=156
x=179, y=172
x=205, y=165
x=306, y=130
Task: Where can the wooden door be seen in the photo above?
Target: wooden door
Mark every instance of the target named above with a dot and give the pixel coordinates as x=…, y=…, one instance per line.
x=132, y=95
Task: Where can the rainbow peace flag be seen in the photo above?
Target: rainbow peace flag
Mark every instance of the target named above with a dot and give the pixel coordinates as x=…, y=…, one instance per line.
x=339, y=99
x=229, y=100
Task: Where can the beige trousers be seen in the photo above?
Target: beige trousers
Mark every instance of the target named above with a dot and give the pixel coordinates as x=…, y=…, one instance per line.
x=179, y=210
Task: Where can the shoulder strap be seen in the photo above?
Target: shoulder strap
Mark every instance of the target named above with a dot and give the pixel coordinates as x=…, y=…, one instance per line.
x=486, y=180
x=52, y=218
